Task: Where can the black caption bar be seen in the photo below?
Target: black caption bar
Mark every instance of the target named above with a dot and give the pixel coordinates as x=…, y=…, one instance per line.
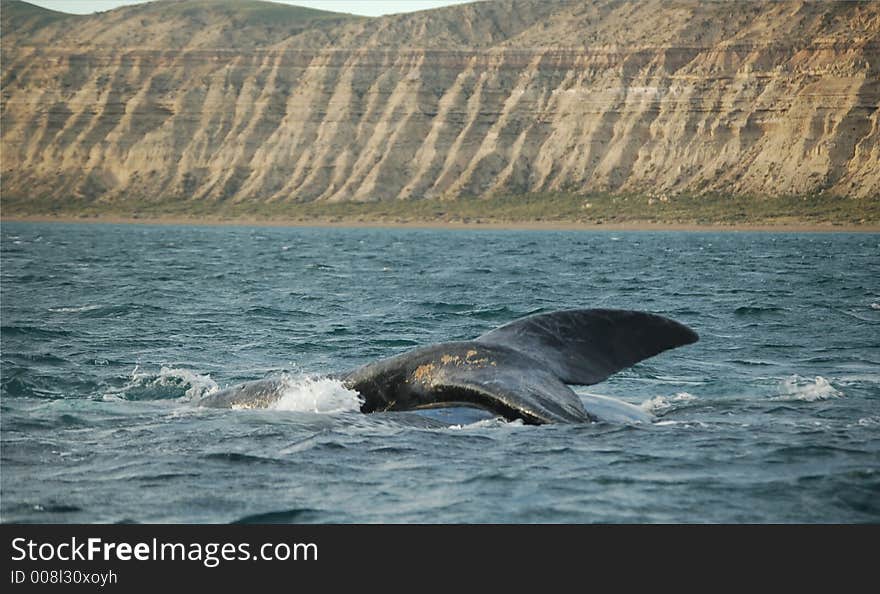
x=122, y=557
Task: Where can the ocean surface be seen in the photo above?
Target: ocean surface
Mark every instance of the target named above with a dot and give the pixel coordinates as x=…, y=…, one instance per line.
x=112, y=333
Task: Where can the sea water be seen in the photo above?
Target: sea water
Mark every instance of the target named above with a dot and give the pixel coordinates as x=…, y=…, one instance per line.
x=112, y=333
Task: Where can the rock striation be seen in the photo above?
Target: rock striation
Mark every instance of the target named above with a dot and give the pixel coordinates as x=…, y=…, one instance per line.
x=253, y=101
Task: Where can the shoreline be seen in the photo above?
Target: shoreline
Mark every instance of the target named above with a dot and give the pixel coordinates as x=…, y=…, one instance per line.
x=794, y=226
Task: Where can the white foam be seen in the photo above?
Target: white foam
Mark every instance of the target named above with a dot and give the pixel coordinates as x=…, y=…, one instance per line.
x=807, y=390
x=316, y=394
x=489, y=423
x=168, y=378
x=199, y=385
x=659, y=404
x=875, y=306
x=74, y=309
x=683, y=424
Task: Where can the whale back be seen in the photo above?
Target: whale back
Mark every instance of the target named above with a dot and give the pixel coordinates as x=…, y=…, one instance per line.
x=487, y=376
x=586, y=346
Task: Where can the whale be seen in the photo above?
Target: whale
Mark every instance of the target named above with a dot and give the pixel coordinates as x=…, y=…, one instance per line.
x=522, y=370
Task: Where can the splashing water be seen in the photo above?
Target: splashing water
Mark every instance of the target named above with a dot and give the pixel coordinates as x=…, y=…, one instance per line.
x=807, y=390
x=169, y=383
x=661, y=404
x=316, y=394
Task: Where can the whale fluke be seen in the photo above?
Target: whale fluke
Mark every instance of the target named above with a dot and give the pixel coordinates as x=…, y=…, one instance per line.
x=586, y=346
x=519, y=370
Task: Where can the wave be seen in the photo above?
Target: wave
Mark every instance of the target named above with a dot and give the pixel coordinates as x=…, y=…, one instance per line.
x=757, y=310
x=34, y=359
x=807, y=390
x=287, y=516
x=47, y=508
x=489, y=423
x=751, y=362
x=279, y=313
x=445, y=307
x=394, y=342
x=169, y=383
x=93, y=311
x=682, y=424
x=240, y=458
x=14, y=386
x=661, y=404
x=32, y=332
x=74, y=308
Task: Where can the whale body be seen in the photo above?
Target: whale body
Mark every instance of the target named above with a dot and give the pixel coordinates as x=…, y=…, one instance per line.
x=521, y=370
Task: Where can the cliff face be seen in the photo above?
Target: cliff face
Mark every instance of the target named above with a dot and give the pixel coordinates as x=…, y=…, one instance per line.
x=253, y=101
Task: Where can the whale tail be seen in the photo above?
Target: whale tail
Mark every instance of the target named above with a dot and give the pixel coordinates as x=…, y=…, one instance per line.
x=519, y=370
x=586, y=346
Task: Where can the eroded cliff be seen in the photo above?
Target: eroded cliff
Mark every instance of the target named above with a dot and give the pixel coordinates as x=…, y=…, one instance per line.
x=225, y=102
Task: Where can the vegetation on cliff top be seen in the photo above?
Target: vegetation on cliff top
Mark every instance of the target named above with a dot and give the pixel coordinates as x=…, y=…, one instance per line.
x=607, y=111
x=557, y=207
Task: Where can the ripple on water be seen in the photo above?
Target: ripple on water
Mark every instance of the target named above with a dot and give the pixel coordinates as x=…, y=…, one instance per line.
x=287, y=516
x=771, y=417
